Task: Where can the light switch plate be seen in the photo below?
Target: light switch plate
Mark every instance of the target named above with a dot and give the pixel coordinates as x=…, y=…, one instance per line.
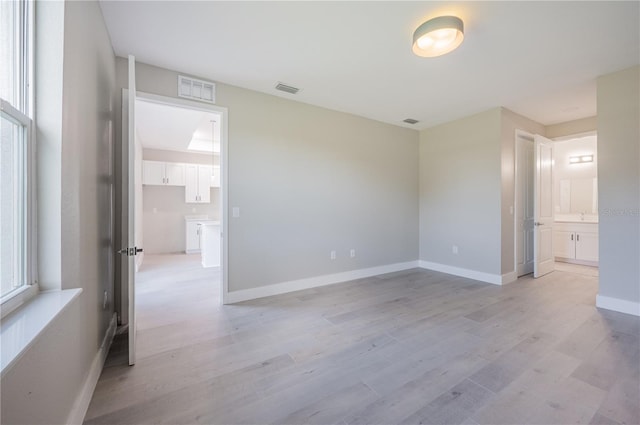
x=235, y=212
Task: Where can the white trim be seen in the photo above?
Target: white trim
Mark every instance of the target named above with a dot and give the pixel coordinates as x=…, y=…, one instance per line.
x=509, y=277
x=313, y=282
x=20, y=330
x=16, y=298
x=494, y=279
x=616, y=304
x=81, y=404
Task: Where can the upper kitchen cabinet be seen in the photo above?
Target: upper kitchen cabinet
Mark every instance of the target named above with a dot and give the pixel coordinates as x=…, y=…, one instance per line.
x=163, y=173
x=198, y=183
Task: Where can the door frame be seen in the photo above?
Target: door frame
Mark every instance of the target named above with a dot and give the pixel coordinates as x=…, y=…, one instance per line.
x=224, y=171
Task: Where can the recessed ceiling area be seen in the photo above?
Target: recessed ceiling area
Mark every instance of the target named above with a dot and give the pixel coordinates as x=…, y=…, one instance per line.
x=172, y=128
x=539, y=59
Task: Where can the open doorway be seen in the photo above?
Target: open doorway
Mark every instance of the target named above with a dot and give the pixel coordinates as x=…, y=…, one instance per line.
x=573, y=187
x=178, y=202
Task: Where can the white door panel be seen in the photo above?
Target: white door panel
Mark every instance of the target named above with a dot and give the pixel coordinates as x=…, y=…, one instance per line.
x=524, y=205
x=128, y=209
x=543, y=207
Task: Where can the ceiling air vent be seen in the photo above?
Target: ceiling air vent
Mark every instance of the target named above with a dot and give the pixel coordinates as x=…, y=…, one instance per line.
x=410, y=121
x=286, y=88
x=191, y=88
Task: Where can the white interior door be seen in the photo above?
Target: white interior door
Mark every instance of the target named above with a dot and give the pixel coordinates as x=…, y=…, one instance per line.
x=543, y=261
x=129, y=250
x=524, y=204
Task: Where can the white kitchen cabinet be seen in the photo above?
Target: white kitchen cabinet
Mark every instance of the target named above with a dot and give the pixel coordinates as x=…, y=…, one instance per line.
x=576, y=242
x=192, y=237
x=210, y=243
x=163, y=173
x=198, y=183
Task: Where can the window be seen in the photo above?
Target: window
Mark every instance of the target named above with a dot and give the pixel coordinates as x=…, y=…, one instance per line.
x=17, y=212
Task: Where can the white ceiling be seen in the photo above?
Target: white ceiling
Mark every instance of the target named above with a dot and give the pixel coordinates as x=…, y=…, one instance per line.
x=539, y=59
x=171, y=128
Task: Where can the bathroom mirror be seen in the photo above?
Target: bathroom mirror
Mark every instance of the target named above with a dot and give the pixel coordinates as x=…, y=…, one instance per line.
x=579, y=196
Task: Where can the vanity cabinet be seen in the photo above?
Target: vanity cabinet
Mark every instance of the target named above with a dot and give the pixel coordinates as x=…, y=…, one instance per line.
x=163, y=173
x=576, y=242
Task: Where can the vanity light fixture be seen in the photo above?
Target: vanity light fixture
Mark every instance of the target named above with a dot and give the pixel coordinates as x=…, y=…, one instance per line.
x=438, y=36
x=580, y=159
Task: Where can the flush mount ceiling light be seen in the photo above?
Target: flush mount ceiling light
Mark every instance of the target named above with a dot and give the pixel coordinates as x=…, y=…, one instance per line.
x=438, y=36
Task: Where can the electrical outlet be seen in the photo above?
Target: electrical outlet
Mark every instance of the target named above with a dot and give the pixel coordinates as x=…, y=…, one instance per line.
x=333, y=255
x=352, y=253
x=454, y=249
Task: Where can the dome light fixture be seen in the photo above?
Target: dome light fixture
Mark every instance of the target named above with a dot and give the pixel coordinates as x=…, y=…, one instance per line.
x=438, y=36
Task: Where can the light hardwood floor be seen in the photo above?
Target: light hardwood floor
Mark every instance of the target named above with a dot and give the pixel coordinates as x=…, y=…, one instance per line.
x=409, y=347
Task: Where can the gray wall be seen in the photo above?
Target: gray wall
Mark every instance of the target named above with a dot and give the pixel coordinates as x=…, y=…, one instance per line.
x=467, y=175
x=308, y=180
x=571, y=128
x=619, y=184
x=460, y=192
x=44, y=384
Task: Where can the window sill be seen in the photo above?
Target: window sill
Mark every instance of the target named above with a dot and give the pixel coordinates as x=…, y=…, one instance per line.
x=20, y=329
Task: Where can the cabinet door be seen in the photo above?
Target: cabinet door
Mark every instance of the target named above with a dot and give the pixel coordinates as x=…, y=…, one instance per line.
x=153, y=172
x=192, y=237
x=587, y=246
x=204, y=183
x=191, y=183
x=174, y=174
x=564, y=244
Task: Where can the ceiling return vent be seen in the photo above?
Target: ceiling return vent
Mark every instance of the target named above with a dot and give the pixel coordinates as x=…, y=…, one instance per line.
x=190, y=88
x=410, y=121
x=286, y=88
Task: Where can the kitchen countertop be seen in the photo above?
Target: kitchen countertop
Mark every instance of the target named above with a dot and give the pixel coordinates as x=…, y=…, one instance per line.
x=209, y=222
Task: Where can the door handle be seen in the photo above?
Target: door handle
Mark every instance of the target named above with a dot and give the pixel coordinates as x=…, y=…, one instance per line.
x=572, y=236
x=129, y=251
x=577, y=237
x=537, y=223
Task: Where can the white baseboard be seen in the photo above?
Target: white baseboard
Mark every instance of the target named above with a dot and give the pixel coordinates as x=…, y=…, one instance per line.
x=509, y=277
x=313, y=282
x=495, y=279
x=83, y=399
x=616, y=304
